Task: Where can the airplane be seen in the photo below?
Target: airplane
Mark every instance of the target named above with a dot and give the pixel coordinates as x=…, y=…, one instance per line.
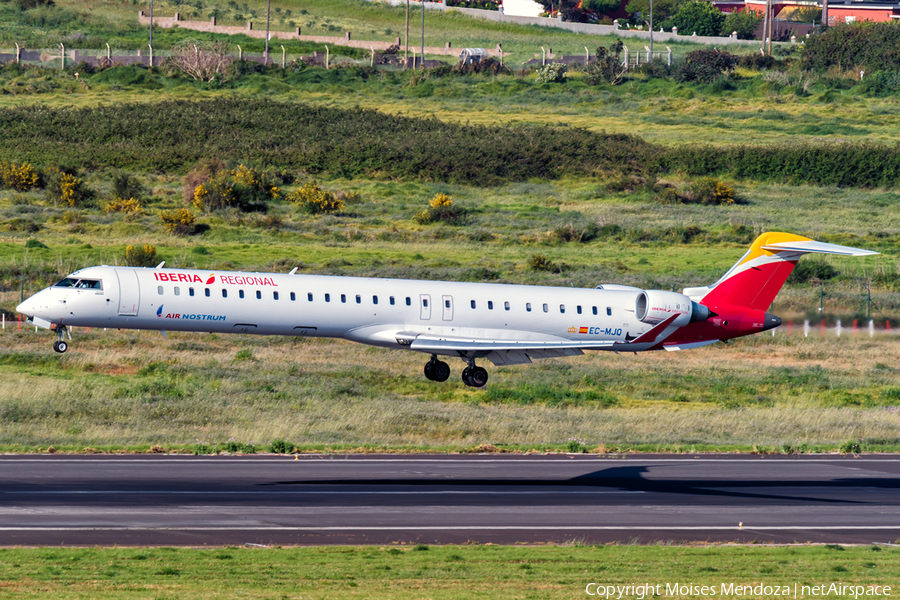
x=505, y=324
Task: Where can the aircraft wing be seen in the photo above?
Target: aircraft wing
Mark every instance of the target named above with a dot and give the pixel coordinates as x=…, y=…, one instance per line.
x=504, y=352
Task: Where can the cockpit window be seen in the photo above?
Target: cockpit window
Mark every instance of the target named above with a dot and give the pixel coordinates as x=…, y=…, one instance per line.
x=89, y=284
x=67, y=282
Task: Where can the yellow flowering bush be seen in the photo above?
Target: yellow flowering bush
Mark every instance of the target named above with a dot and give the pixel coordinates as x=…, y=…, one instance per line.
x=122, y=205
x=441, y=208
x=313, y=199
x=140, y=256
x=178, y=221
x=20, y=177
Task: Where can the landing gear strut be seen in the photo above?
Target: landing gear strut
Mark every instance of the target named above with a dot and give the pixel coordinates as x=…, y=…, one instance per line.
x=437, y=370
x=60, y=344
x=474, y=376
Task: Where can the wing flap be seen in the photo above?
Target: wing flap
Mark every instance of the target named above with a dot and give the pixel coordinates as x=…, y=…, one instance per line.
x=428, y=344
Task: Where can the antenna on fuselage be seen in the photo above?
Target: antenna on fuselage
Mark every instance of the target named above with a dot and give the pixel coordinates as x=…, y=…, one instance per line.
x=294, y=270
x=159, y=266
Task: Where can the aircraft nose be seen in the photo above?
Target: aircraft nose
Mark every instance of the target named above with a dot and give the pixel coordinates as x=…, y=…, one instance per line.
x=771, y=322
x=28, y=307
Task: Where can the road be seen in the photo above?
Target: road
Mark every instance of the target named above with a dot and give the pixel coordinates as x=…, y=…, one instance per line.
x=378, y=499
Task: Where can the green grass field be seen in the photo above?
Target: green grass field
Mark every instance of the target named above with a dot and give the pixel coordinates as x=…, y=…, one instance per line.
x=408, y=571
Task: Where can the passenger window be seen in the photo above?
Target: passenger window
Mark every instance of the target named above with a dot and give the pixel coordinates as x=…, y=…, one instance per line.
x=408, y=301
x=190, y=291
x=293, y=297
x=392, y=300
x=327, y=297
x=177, y=291
x=546, y=308
x=528, y=307
x=240, y=293
x=374, y=299
x=258, y=295
x=425, y=302
x=224, y=293
x=358, y=299
x=490, y=305
x=159, y=290
x=446, y=304
x=275, y=295
x=344, y=298
x=309, y=296
x=472, y=303
x=594, y=309
x=578, y=309
x=206, y=292
x=608, y=311
x=506, y=305
x=562, y=308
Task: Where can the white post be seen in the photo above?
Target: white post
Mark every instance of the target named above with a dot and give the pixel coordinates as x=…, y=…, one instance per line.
x=805, y=327
x=871, y=328
x=240, y=53
x=674, y=30
x=414, y=57
x=587, y=56
x=282, y=57
x=669, y=60
x=4, y=321
x=649, y=54
x=18, y=52
x=838, y=328
x=326, y=56
x=372, y=60
x=616, y=25
x=151, y=55
x=626, y=56
x=62, y=57
x=108, y=58
x=543, y=57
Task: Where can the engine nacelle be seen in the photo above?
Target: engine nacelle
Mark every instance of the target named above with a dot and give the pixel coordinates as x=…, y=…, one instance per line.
x=655, y=306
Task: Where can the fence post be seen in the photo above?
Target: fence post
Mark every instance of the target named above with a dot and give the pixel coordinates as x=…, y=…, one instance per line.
x=240, y=53
x=372, y=60
x=151, y=55
x=649, y=55
x=108, y=58
x=326, y=56
x=543, y=57
x=62, y=57
x=626, y=56
x=587, y=56
x=282, y=57
x=669, y=62
x=18, y=52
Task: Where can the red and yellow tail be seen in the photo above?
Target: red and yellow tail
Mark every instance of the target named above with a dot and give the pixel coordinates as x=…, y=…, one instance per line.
x=755, y=280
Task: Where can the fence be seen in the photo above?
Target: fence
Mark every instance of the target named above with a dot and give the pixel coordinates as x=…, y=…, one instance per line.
x=633, y=59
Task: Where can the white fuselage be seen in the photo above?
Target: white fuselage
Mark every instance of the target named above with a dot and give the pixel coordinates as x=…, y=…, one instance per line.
x=366, y=310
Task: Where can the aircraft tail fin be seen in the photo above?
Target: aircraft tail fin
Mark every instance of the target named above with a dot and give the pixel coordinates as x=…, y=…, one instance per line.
x=756, y=279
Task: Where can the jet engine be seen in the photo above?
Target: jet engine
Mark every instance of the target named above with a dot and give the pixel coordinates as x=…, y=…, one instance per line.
x=655, y=306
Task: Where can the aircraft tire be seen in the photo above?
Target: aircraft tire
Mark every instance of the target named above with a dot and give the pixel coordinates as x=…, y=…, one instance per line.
x=429, y=371
x=60, y=346
x=440, y=371
x=465, y=376
x=478, y=376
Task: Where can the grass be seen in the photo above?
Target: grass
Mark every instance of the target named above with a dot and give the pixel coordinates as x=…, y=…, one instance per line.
x=419, y=571
x=132, y=390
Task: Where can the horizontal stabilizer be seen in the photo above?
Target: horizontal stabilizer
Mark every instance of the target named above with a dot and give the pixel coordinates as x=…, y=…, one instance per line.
x=810, y=246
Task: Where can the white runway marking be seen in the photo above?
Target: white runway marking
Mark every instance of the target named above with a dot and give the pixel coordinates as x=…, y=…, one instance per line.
x=478, y=528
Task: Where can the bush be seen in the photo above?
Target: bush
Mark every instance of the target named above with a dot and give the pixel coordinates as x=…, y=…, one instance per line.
x=126, y=186
x=756, y=61
x=539, y=262
x=314, y=200
x=121, y=205
x=243, y=188
x=20, y=177
x=179, y=221
x=141, y=256
x=65, y=188
x=744, y=22
x=700, y=17
x=704, y=66
x=872, y=46
x=710, y=191
x=812, y=270
x=442, y=209
x=280, y=446
x=607, y=67
x=552, y=73
x=35, y=244
x=881, y=83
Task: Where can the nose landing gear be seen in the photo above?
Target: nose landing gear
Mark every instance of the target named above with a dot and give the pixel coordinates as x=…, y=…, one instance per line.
x=60, y=344
x=437, y=370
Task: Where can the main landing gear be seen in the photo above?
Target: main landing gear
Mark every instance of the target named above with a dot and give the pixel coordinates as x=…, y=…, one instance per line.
x=437, y=370
x=472, y=376
x=60, y=344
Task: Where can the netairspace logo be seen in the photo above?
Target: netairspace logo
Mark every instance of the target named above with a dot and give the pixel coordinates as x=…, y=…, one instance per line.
x=641, y=591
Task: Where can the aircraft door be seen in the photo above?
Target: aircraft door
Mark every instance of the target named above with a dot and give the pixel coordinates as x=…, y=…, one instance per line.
x=129, y=292
x=425, y=303
x=448, y=308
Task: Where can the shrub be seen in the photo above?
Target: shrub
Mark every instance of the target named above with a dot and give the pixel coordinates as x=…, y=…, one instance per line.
x=235, y=446
x=32, y=243
x=575, y=446
x=744, y=22
x=540, y=262
x=140, y=256
x=243, y=188
x=812, y=270
x=850, y=448
x=710, y=191
x=202, y=172
x=67, y=189
x=881, y=83
x=442, y=209
x=701, y=18
x=704, y=66
x=314, y=200
x=280, y=446
x=873, y=46
x=121, y=205
x=552, y=73
x=20, y=177
x=607, y=67
x=756, y=61
x=179, y=221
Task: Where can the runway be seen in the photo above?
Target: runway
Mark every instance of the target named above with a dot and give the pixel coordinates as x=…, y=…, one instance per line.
x=437, y=499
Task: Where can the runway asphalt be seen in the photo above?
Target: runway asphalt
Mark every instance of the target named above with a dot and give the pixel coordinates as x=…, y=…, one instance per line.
x=435, y=499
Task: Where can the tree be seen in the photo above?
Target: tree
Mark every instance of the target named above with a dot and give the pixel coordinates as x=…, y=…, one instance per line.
x=699, y=17
x=601, y=6
x=203, y=61
x=662, y=9
x=745, y=23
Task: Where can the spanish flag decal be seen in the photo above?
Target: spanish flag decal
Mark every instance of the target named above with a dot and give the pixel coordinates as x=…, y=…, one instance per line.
x=582, y=330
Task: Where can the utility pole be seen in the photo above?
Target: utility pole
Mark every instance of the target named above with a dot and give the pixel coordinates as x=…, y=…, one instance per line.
x=268, y=9
x=824, y=13
x=151, y=22
x=651, y=29
x=771, y=19
x=406, y=53
x=423, y=34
